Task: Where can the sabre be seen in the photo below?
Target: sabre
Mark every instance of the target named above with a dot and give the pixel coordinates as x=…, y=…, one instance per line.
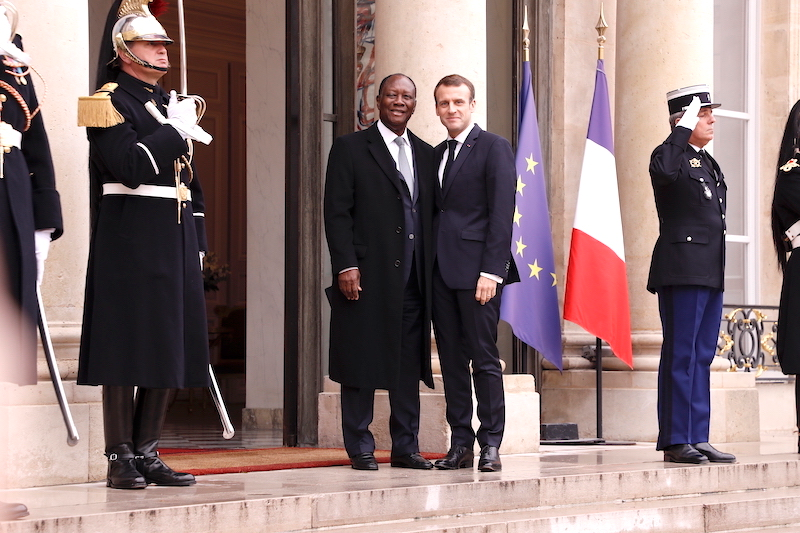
x=227, y=427
x=47, y=344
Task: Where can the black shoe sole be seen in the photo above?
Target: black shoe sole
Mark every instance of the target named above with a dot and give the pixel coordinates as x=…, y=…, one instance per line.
x=463, y=464
x=129, y=487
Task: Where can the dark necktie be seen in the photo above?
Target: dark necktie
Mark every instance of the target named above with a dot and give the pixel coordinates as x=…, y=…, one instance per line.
x=451, y=155
x=707, y=161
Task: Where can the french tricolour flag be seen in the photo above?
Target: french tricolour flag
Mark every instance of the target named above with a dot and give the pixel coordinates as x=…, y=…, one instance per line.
x=596, y=294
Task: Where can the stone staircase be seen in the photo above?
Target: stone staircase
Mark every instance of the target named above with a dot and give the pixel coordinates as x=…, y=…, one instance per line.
x=564, y=491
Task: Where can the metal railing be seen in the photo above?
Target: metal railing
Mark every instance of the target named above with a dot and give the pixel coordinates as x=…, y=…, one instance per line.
x=747, y=338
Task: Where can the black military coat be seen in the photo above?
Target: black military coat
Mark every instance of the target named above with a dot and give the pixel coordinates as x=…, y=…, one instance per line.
x=364, y=218
x=28, y=201
x=690, y=198
x=144, y=313
x=786, y=208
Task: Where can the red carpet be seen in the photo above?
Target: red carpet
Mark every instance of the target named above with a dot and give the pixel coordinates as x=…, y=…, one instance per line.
x=200, y=462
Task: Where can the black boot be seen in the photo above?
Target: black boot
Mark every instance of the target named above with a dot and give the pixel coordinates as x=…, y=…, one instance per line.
x=118, y=427
x=151, y=410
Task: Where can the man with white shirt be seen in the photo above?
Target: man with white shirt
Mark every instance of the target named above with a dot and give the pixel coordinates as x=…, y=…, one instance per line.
x=472, y=230
x=378, y=210
x=688, y=272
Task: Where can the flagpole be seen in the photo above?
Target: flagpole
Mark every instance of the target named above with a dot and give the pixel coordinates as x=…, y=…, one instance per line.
x=601, y=39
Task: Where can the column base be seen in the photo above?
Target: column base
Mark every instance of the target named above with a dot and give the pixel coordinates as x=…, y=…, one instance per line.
x=522, y=417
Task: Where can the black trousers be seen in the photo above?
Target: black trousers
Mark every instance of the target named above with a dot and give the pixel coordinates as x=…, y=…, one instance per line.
x=466, y=332
x=358, y=403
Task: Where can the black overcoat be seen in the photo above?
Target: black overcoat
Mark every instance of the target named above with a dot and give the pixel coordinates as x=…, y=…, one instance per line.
x=28, y=201
x=690, y=200
x=786, y=207
x=144, y=314
x=363, y=224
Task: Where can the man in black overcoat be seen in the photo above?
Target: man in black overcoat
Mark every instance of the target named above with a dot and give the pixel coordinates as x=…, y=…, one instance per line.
x=474, y=212
x=144, y=320
x=30, y=211
x=687, y=272
x=378, y=207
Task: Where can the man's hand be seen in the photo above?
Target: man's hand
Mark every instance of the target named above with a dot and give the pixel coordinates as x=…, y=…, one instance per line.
x=486, y=290
x=350, y=283
x=690, y=119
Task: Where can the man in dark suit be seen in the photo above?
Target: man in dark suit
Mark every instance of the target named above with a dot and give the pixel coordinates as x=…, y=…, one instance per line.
x=687, y=272
x=472, y=228
x=378, y=210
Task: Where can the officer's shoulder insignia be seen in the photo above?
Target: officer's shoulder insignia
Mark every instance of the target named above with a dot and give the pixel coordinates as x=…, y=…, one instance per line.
x=790, y=164
x=98, y=111
x=694, y=162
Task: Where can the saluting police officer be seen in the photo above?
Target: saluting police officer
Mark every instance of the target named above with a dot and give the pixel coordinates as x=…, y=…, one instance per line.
x=687, y=272
x=144, y=315
x=30, y=209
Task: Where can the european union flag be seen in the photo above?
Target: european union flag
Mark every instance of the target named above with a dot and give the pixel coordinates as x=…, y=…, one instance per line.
x=531, y=306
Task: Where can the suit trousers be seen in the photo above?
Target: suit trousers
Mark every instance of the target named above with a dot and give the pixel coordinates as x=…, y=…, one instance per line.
x=358, y=403
x=466, y=331
x=690, y=319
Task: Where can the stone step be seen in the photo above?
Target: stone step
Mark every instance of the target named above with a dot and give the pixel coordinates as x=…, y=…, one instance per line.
x=620, y=488
x=771, y=511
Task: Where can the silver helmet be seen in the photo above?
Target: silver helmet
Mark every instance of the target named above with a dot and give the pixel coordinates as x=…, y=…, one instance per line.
x=136, y=23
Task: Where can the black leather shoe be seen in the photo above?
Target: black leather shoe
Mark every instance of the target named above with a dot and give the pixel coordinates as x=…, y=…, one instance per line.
x=683, y=453
x=713, y=454
x=490, y=459
x=412, y=460
x=122, y=472
x=364, y=461
x=155, y=471
x=12, y=511
x=457, y=457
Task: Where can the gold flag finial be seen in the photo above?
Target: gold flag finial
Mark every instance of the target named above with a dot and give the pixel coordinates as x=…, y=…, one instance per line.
x=601, y=27
x=526, y=42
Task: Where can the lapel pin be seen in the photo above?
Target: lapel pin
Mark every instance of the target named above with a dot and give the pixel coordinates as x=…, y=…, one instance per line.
x=694, y=162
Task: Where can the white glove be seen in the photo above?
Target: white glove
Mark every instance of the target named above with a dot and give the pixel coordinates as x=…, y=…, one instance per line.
x=690, y=119
x=41, y=242
x=182, y=115
x=202, y=256
x=8, y=48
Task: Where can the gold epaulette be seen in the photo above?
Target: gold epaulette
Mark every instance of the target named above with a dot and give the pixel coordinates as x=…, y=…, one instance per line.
x=97, y=111
x=790, y=164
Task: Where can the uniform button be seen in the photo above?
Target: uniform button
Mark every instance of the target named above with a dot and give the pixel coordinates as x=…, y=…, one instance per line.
x=720, y=200
x=399, y=229
x=689, y=238
x=413, y=210
x=723, y=217
x=399, y=197
x=410, y=235
x=441, y=211
x=397, y=263
x=724, y=232
x=702, y=180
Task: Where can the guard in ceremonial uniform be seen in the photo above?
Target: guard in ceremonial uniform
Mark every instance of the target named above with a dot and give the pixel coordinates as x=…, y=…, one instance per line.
x=30, y=209
x=144, y=315
x=687, y=272
x=786, y=237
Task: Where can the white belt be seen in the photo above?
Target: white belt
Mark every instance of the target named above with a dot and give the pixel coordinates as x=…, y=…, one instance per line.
x=793, y=234
x=154, y=191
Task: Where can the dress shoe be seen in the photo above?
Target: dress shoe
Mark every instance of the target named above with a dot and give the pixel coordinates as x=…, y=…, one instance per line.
x=155, y=471
x=364, y=461
x=12, y=511
x=412, y=460
x=713, y=454
x=490, y=459
x=683, y=453
x=122, y=471
x=458, y=457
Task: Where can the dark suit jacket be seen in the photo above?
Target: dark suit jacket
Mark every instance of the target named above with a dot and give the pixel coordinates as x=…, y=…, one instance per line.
x=364, y=226
x=690, y=200
x=475, y=210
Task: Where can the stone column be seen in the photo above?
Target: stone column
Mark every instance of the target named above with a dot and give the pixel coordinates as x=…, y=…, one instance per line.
x=427, y=41
x=659, y=47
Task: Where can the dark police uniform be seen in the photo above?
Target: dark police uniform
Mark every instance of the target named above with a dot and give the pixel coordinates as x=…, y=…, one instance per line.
x=687, y=272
